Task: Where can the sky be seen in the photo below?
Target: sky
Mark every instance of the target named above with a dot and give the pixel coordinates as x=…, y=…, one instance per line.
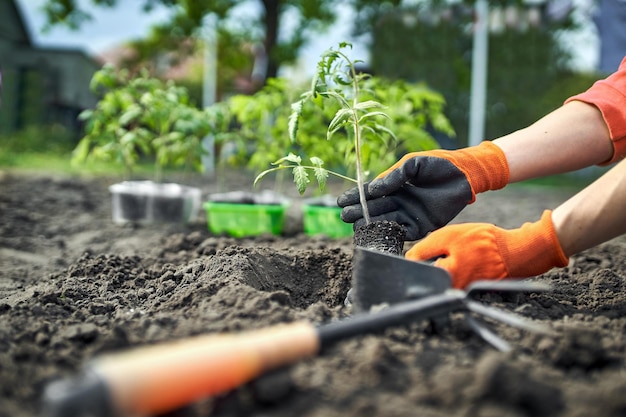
x=112, y=27
x=127, y=21
x=109, y=28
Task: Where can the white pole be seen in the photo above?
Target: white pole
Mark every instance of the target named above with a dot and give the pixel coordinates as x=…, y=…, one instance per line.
x=209, y=85
x=478, y=93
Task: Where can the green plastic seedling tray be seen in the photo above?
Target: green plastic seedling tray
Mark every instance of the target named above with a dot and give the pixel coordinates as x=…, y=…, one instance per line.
x=240, y=220
x=324, y=220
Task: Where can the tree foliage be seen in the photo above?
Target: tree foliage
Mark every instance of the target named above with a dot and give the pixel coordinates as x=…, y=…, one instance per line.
x=187, y=17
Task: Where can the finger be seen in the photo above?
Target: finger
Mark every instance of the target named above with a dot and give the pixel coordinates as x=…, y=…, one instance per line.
x=424, y=250
x=387, y=185
x=460, y=277
x=359, y=223
x=351, y=214
x=348, y=197
x=376, y=208
x=351, y=196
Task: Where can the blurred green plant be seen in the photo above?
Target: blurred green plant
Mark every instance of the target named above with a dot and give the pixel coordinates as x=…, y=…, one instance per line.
x=143, y=117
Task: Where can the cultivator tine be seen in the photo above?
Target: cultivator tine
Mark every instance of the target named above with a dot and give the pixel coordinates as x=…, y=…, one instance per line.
x=488, y=336
x=507, y=286
x=506, y=318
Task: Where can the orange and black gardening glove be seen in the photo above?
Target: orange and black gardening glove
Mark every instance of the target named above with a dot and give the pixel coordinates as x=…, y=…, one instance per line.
x=423, y=191
x=475, y=251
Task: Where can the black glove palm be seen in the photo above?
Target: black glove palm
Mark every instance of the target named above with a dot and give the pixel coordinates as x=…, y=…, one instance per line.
x=425, y=190
x=423, y=194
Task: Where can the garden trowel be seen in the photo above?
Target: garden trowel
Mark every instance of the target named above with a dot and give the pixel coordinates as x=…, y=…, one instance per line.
x=383, y=278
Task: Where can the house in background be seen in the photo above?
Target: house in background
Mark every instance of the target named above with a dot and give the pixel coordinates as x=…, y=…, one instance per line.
x=38, y=85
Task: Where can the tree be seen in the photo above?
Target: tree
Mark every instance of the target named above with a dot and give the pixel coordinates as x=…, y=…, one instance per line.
x=188, y=16
x=526, y=59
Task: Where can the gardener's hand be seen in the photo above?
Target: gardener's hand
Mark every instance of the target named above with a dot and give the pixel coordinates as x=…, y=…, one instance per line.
x=475, y=251
x=423, y=191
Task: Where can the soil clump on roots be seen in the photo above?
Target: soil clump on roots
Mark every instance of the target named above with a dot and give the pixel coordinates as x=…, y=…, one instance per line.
x=74, y=285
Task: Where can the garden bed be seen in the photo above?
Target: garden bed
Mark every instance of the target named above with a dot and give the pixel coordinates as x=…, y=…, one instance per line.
x=73, y=284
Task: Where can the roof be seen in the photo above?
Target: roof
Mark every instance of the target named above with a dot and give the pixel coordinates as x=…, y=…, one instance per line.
x=23, y=34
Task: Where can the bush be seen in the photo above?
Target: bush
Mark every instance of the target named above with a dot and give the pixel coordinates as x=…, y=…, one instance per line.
x=141, y=116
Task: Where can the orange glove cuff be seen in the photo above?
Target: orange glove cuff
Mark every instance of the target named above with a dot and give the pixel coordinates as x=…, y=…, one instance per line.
x=485, y=166
x=532, y=249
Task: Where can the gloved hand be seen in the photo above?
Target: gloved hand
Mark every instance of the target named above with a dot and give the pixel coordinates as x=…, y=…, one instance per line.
x=475, y=251
x=425, y=190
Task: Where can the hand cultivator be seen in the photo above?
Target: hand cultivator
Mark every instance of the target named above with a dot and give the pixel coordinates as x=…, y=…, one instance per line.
x=161, y=378
x=382, y=279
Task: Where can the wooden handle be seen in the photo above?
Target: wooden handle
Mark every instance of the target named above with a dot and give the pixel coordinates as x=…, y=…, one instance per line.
x=161, y=378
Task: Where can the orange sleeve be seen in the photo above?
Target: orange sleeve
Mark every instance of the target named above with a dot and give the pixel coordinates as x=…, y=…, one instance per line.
x=609, y=96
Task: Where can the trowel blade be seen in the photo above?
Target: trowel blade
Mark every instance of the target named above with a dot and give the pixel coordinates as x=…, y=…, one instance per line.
x=379, y=278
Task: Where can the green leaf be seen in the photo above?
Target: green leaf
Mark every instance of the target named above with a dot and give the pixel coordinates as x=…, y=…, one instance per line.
x=330, y=133
x=301, y=178
x=316, y=161
x=130, y=115
x=339, y=119
x=314, y=81
x=85, y=115
x=386, y=130
x=289, y=158
x=321, y=174
x=294, y=118
x=262, y=175
x=368, y=105
x=318, y=100
x=374, y=114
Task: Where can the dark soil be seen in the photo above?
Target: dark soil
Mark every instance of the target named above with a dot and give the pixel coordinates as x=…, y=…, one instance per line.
x=382, y=236
x=74, y=285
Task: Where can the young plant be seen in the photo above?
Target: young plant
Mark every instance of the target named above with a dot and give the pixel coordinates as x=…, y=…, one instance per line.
x=367, y=136
x=338, y=80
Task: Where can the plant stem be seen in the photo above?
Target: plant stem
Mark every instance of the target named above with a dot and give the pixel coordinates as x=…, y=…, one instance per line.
x=357, y=144
x=359, y=174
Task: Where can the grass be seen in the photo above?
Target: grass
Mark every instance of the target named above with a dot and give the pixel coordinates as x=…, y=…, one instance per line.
x=33, y=161
x=49, y=149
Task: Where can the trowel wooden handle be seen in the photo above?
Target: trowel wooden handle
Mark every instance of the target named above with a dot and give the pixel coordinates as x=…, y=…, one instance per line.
x=152, y=380
x=162, y=378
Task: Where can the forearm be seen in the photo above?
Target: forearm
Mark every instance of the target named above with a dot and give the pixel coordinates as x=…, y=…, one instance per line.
x=572, y=137
x=594, y=215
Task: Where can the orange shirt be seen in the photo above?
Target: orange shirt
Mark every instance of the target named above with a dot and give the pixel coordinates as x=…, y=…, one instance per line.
x=609, y=96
